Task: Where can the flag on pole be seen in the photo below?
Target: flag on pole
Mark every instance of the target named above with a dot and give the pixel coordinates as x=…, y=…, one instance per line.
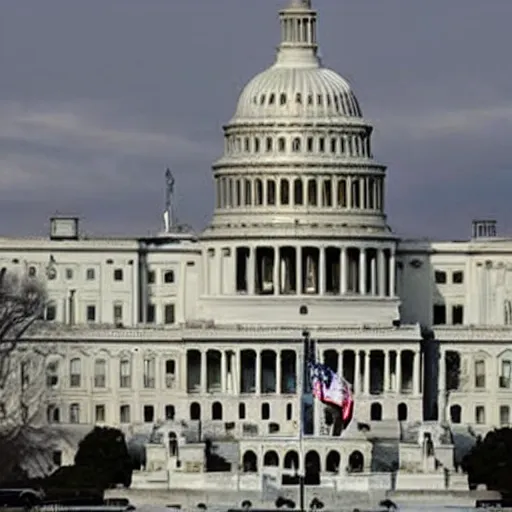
x=332, y=390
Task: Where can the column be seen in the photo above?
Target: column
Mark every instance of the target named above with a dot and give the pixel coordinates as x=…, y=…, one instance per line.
x=392, y=274
x=382, y=272
x=204, y=372
x=251, y=270
x=416, y=374
x=223, y=370
x=235, y=368
x=258, y=371
x=298, y=255
x=278, y=372
x=357, y=373
x=321, y=272
x=220, y=269
x=442, y=387
x=362, y=271
x=183, y=372
x=367, y=360
x=373, y=277
x=340, y=363
x=387, y=371
x=343, y=270
x=398, y=371
x=275, y=278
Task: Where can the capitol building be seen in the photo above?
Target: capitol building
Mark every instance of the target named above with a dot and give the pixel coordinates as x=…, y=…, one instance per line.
x=199, y=336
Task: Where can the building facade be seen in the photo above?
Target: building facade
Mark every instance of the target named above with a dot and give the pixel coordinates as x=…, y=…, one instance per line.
x=205, y=331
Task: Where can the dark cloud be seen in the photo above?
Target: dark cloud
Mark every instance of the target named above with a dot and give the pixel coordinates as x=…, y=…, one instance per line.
x=98, y=97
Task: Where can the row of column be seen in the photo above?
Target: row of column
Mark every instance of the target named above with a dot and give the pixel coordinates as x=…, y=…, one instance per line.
x=361, y=373
x=363, y=385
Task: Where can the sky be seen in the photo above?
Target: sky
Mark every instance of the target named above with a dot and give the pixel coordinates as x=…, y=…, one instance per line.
x=98, y=97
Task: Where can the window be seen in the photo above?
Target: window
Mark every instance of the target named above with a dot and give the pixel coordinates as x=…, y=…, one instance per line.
x=150, y=316
x=118, y=314
x=170, y=373
x=439, y=314
x=480, y=374
x=99, y=413
x=281, y=144
x=169, y=314
x=52, y=374
x=57, y=458
x=149, y=372
x=321, y=144
x=269, y=144
x=75, y=373
x=169, y=276
x=100, y=373
x=51, y=312
x=458, y=277
x=265, y=411
x=124, y=414
x=32, y=271
x=91, y=313
x=216, y=411
x=149, y=414
x=170, y=412
x=90, y=274
x=440, y=277
x=289, y=411
x=69, y=273
x=74, y=413
x=457, y=314
x=480, y=415
x=53, y=414
x=310, y=144
x=25, y=374
x=506, y=368
x=241, y=411
x=118, y=274
x=504, y=415
x=125, y=373
x=151, y=277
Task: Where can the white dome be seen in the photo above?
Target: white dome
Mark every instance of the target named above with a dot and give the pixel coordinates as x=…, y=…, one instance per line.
x=283, y=91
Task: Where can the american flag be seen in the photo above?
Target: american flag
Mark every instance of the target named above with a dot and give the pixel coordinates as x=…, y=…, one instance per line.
x=332, y=390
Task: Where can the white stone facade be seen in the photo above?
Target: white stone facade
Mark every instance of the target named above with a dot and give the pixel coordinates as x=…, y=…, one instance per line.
x=184, y=328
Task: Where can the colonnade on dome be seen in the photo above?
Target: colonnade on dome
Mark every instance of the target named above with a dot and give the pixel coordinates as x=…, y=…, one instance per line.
x=329, y=190
x=288, y=269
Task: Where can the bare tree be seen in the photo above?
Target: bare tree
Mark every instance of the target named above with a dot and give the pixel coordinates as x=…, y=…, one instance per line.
x=23, y=301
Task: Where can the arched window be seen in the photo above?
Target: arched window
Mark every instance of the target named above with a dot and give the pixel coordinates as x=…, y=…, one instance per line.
x=282, y=99
x=271, y=192
x=259, y=192
x=455, y=414
x=296, y=145
x=250, y=462
x=248, y=192
x=356, y=194
x=285, y=192
x=376, y=412
x=332, y=462
x=342, y=193
x=195, y=411
x=298, y=194
x=281, y=144
x=356, y=462
x=271, y=459
x=312, y=192
x=402, y=412
x=291, y=460
x=216, y=411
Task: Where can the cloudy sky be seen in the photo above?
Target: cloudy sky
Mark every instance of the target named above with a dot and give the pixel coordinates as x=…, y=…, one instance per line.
x=97, y=97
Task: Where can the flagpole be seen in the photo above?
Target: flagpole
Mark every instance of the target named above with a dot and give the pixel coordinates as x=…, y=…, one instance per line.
x=304, y=392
